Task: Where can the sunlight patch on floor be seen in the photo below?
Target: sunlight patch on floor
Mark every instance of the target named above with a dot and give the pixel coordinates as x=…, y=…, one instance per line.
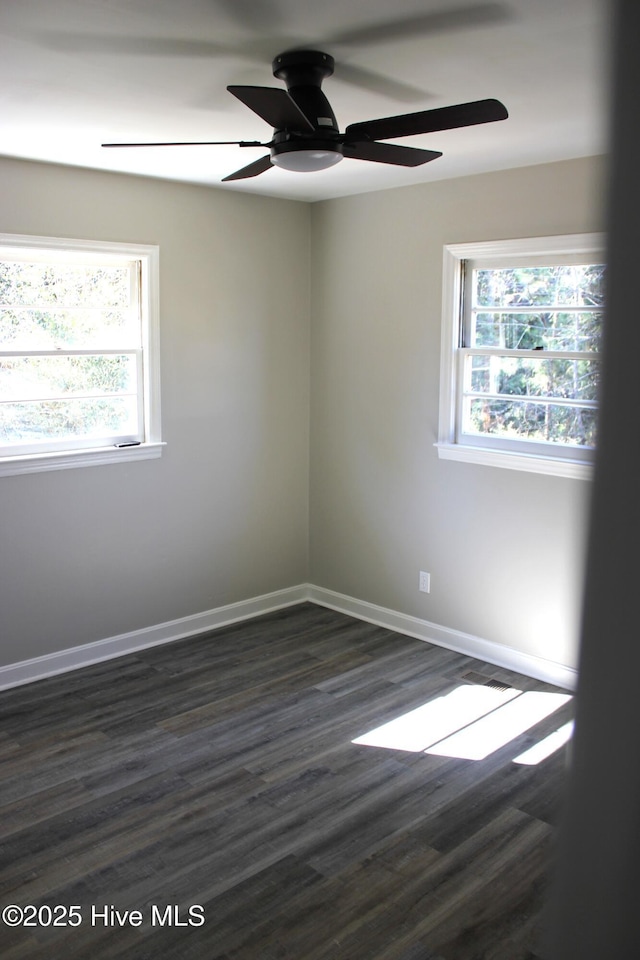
x=540, y=751
x=421, y=728
x=472, y=722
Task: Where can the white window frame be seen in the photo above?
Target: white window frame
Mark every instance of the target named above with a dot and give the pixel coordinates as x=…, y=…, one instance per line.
x=561, y=463
x=150, y=445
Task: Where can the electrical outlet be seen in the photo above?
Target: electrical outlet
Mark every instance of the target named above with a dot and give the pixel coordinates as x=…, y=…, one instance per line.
x=425, y=582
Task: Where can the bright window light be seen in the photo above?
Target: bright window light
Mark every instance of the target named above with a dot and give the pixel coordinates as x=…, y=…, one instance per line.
x=470, y=723
x=540, y=751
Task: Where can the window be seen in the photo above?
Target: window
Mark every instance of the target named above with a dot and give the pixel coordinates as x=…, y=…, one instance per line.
x=79, y=365
x=522, y=324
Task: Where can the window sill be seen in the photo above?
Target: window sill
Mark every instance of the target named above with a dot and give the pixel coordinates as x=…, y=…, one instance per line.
x=38, y=462
x=553, y=466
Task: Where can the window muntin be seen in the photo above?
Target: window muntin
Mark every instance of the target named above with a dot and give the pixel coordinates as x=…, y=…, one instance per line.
x=78, y=347
x=520, y=367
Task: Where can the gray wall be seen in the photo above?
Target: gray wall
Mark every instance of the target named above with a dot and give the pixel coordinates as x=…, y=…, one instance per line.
x=504, y=548
x=90, y=553
x=231, y=510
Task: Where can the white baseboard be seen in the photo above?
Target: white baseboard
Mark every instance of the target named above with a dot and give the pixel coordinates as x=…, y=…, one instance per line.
x=496, y=653
x=74, y=658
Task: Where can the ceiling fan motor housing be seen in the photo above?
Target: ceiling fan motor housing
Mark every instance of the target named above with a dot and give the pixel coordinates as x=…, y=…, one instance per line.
x=303, y=68
x=303, y=72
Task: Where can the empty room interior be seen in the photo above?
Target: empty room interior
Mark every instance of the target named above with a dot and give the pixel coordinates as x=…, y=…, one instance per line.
x=230, y=633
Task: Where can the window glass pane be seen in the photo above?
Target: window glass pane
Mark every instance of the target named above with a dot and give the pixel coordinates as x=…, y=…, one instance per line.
x=76, y=285
x=530, y=420
x=38, y=378
x=522, y=327
x=549, y=330
x=478, y=375
x=38, y=421
x=29, y=328
x=79, y=364
x=580, y=285
x=530, y=377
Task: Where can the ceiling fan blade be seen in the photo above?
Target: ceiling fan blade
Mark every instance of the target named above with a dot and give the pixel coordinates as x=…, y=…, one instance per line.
x=255, y=14
x=386, y=86
x=463, y=17
x=193, y=143
x=251, y=170
x=132, y=46
x=389, y=153
x=427, y=121
x=274, y=105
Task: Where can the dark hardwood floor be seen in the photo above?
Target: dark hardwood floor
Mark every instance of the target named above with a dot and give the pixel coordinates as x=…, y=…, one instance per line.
x=220, y=771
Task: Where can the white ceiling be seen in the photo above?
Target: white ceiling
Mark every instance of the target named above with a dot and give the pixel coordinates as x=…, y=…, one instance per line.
x=76, y=73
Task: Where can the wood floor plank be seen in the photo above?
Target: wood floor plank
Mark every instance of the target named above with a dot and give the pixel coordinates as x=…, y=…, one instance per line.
x=220, y=771
x=35, y=808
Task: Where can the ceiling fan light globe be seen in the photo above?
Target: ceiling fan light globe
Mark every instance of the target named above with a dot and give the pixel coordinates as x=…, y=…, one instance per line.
x=306, y=161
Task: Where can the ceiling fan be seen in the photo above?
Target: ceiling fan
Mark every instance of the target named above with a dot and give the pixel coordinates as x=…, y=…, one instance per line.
x=306, y=136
